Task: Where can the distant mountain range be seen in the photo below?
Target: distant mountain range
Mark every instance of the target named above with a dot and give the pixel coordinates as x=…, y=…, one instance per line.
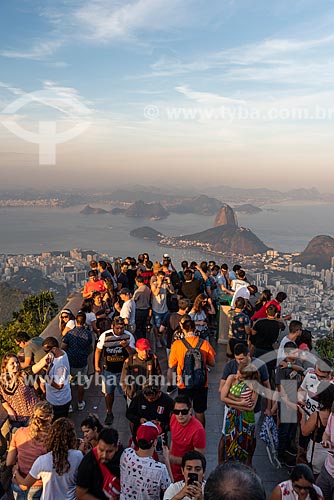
x=137, y=209
x=200, y=205
x=166, y=194
x=226, y=236
x=148, y=210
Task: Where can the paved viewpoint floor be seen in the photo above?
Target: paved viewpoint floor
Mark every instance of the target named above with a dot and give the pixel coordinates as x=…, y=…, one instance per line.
x=95, y=403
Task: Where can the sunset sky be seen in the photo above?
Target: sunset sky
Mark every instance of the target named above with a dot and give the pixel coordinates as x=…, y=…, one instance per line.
x=237, y=92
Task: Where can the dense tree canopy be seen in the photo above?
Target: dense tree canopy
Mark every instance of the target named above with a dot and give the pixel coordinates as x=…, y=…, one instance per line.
x=33, y=317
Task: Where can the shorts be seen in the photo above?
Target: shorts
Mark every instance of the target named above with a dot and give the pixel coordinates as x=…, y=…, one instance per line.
x=110, y=381
x=198, y=396
x=79, y=375
x=158, y=318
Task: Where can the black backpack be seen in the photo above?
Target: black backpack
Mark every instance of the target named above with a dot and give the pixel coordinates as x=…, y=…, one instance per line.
x=194, y=370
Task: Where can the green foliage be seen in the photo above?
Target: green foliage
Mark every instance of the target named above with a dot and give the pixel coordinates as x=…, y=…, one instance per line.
x=33, y=317
x=325, y=348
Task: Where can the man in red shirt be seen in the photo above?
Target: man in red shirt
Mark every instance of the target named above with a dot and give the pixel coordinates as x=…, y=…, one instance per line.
x=187, y=434
x=93, y=285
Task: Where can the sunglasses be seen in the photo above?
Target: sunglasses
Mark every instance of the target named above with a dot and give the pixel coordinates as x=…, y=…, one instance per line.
x=181, y=412
x=299, y=487
x=65, y=316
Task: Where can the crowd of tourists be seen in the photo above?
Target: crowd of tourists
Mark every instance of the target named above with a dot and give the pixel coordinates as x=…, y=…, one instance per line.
x=134, y=316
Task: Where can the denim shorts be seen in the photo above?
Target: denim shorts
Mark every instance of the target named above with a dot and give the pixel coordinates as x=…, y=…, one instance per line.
x=33, y=493
x=110, y=381
x=158, y=318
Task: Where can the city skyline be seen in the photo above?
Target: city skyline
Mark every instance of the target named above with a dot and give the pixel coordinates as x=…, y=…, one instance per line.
x=225, y=92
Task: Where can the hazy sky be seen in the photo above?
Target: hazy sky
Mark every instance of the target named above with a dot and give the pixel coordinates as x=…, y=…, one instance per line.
x=238, y=91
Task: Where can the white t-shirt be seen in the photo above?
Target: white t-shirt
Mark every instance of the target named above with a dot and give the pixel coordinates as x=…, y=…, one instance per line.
x=288, y=492
x=175, y=488
x=89, y=318
x=129, y=311
x=60, y=373
x=236, y=284
x=55, y=486
x=310, y=385
x=142, y=478
x=241, y=292
x=70, y=324
x=280, y=352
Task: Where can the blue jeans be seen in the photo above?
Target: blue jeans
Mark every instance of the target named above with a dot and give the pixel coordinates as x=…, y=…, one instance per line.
x=33, y=493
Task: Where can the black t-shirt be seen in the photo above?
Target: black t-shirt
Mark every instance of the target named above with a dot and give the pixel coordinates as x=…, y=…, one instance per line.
x=171, y=323
x=160, y=410
x=131, y=275
x=90, y=475
x=190, y=289
x=123, y=279
x=267, y=331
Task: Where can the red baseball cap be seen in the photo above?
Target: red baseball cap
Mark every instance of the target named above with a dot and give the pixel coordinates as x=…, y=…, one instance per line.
x=148, y=431
x=143, y=345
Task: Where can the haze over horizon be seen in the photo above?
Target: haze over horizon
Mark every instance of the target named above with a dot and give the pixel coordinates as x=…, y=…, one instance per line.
x=234, y=92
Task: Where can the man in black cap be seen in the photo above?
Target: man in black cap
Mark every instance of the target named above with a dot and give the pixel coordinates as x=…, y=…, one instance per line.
x=128, y=310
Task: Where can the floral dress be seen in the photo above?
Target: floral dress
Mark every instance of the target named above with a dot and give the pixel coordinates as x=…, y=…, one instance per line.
x=288, y=493
x=239, y=432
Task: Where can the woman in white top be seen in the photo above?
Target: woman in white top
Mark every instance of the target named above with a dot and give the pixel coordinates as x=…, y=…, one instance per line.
x=58, y=468
x=300, y=486
x=86, y=307
x=66, y=321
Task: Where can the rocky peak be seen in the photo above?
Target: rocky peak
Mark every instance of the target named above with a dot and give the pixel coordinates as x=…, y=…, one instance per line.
x=226, y=217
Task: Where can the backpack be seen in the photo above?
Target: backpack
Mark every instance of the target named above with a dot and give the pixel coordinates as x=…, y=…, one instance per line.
x=194, y=370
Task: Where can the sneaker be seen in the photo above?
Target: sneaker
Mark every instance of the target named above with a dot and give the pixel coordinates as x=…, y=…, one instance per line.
x=171, y=388
x=70, y=410
x=81, y=406
x=109, y=419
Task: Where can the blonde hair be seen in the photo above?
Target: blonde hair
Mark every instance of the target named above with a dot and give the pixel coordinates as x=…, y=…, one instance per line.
x=40, y=422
